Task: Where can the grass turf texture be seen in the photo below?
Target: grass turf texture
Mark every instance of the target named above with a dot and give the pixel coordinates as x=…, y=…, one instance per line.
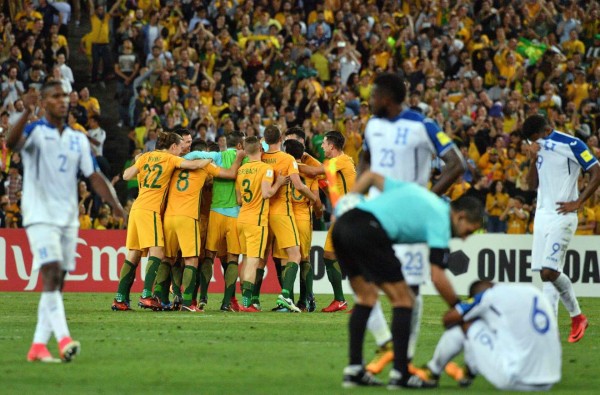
x=149, y=352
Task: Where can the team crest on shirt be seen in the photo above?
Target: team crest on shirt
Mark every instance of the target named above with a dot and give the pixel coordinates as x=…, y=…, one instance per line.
x=443, y=138
x=269, y=173
x=586, y=156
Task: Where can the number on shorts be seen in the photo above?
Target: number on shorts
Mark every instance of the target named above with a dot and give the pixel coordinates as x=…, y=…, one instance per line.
x=157, y=170
x=247, y=193
x=413, y=262
x=183, y=181
x=539, y=318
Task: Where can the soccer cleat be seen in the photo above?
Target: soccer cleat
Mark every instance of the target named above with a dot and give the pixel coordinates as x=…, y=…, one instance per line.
x=202, y=304
x=579, y=324
x=150, y=302
x=410, y=381
x=177, y=302
x=288, y=303
x=233, y=303
x=336, y=305
x=461, y=375
x=167, y=306
x=302, y=306
x=362, y=378
x=191, y=308
x=425, y=374
x=257, y=306
x=39, y=352
x=383, y=356
x=249, y=309
x=227, y=308
x=68, y=349
x=120, y=306
x=311, y=304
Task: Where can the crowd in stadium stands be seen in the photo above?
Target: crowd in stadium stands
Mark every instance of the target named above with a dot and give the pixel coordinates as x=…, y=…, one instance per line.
x=478, y=68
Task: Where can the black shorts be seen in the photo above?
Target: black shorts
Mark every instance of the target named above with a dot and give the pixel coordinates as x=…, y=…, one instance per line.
x=364, y=249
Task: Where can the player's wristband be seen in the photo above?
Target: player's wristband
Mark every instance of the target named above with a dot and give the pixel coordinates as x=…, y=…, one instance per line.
x=439, y=256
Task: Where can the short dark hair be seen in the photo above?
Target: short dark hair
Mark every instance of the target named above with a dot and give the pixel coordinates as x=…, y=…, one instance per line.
x=252, y=145
x=471, y=206
x=50, y=85
x=298, y=131
x=183, y=132
x=234, y=138
x=336, y=138
x=213, y=147
x=199, y=145
x=294, y=148
x=392, y=85
x=534, y=124
x=479, y=286
x=94, y=117
x=272, y=134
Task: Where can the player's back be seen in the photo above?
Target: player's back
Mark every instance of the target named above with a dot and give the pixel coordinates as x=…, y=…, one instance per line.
x=280, y=203
x=155, y=171
x=185, y=189
x=402, y=148
x=224, y=189
x=346, y=173
x=559, y=162
x=300, y=203
x=526, y=329
x=409, y=213
x=51, y=163
x=255, y=209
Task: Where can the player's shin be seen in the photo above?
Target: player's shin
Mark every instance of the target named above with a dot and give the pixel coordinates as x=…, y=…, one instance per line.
x=152, y=268
x=334, y=275
x=190, y=273
x=567, y=294
x=231, y=276
x=257, y=284
x=357, y=326
x=305, y=281
x=288, y=279
x=206, y=273
x=415, y=325
x=163, y=277
x=176, y=277
x=401, y=317
x=126, y=279
x=450, y=345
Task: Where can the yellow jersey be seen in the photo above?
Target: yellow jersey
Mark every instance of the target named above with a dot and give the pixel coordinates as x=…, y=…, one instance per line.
x=300, y=203
x=346, y=173
x=255, y=208
x=280, y=203
x=185, y=189
x=155, y=171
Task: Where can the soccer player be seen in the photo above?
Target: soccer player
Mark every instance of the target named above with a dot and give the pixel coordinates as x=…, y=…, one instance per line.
x=53, y=154
x=558, y=158
x=363, y=239
x=181, y=227
x=509, y=335
x=333, y=146
x=222, y=239
x=303, y=216
x=254, y=188
x=399, y=144
x=283, y=231
x=144, y=228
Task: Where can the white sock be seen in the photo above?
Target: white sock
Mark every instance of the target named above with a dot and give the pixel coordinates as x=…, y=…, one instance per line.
x=551, y=293
x=415, y=326
x=43, y=330
x=450, y=345
x=567, y=294
x=55, y=314
x=378, y=326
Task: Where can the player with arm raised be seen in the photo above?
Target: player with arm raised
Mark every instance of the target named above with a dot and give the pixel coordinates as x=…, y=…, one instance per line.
x=53, y=154
x=144, y=227
x=254, y=188
x=399, y=144
x=558, y=159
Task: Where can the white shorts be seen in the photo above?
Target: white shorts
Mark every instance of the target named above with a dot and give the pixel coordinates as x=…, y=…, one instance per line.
x=50, y=243
x=483, y=354
x=414, y=258
x=551, y=237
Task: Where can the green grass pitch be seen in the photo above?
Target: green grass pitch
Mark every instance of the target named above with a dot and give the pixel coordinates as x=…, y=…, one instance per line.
x=144, y=352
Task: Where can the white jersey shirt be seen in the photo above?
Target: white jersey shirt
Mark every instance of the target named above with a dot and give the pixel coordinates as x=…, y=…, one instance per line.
x=559, y=161
x=402, y=148
x=51, y=162
x=525, y=328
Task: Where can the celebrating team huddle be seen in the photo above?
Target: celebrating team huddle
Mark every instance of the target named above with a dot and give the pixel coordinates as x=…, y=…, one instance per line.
x=268, y=208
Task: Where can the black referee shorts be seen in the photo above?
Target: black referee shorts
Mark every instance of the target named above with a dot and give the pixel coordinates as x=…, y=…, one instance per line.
x=364, y=249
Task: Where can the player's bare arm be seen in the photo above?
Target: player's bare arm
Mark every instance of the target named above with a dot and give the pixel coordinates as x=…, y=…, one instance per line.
x=532, y=176
x=106, y=191
x=451, y=318
x=364, y=163
x=366, y=181
x=455, y=166
x=195, y=164
x=15, y=139
x=443, y=285
x=269, y=190
x=300, y=187
x=567, y=207
x=130, y=172
x=312, y=171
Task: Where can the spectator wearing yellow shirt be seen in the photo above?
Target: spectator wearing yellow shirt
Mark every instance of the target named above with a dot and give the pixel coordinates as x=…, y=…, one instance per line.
x=90, y=103
x=516, y=216
x=573, y=45
x=490, y=165
x=100, y=39
x=578, y=90
x=496, y=202
x=586, y=221
x=354, y=140
x=85, y=222
x=459, y=188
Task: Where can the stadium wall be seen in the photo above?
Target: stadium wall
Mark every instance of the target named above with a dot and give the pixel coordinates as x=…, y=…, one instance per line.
x=500, y=258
